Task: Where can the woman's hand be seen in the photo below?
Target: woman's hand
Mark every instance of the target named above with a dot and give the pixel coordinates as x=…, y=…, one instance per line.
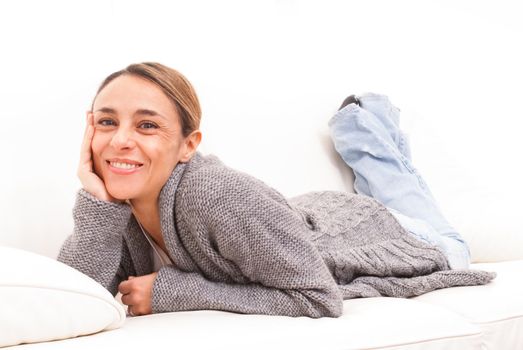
x=91, y=182
x=137, y=294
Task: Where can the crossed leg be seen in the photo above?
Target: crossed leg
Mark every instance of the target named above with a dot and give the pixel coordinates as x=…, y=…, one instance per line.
x=369, y=140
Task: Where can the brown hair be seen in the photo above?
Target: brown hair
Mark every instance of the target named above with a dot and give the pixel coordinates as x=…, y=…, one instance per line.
x=173, y=84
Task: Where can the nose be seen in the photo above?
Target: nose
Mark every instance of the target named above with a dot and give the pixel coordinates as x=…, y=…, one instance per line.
x=123, y=138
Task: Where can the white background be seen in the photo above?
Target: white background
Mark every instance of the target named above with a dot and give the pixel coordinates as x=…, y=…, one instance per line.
x=269, y=75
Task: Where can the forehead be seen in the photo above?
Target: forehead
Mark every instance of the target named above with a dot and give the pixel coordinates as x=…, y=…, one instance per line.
x=127, y=94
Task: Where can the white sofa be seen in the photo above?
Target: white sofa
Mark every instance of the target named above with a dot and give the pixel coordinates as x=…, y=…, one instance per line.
x=479, y=317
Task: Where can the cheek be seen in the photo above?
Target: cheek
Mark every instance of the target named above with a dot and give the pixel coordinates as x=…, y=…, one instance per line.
x=164, y=155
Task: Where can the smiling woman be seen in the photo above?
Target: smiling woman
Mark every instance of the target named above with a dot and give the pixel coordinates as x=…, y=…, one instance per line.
x=174, y=230
x=138, y=138
x=143, y=121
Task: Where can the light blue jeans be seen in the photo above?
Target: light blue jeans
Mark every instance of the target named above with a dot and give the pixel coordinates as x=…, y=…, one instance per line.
x=369, y=140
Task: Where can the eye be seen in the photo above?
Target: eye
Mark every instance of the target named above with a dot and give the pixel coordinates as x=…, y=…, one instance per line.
x=106, y=122
x=148, y=125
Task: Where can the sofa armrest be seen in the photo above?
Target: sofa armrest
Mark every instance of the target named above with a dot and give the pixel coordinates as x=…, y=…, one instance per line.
x=495, y=243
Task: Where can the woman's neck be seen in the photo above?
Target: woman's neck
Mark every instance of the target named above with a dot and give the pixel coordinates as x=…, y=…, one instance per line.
x=147, y=213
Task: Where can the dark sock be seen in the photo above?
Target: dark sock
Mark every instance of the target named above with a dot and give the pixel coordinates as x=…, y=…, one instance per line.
x=349, y=100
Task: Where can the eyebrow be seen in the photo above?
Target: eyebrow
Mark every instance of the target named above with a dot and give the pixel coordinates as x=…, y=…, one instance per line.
x=142, y=111
x=106, y=110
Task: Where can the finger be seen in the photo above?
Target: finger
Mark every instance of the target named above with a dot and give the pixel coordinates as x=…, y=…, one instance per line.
x=127, y=299
x=124, y=287
x=88, y=121
x=135, y=310
x=86, y=131
x=91, y=119
x=86, y=140
x=85, y=155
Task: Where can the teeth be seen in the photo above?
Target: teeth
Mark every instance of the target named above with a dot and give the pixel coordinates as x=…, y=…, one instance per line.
x=124, y=165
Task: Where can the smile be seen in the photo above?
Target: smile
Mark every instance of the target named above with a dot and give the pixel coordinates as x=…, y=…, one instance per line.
x=123, y=167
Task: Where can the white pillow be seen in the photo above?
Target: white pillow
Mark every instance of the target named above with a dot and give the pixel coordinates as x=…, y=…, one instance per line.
x=42, y=299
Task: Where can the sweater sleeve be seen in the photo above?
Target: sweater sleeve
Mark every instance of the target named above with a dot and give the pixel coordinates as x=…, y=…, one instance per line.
x=252, y=226
x=96, y=247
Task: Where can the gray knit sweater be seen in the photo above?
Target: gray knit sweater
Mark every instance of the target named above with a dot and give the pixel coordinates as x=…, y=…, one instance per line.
x=238, y=245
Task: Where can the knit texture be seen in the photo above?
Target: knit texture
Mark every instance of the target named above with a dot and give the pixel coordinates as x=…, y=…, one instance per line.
x=238, y=245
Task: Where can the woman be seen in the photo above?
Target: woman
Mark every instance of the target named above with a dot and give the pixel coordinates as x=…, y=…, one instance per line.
x=172, y=229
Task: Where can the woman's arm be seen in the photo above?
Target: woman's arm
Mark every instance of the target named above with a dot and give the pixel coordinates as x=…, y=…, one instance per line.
x=175, y=290
x=96, y=247
x=252, y=226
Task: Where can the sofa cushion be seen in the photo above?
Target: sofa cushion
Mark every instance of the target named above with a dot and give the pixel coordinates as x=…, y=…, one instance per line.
x=42, y=299
x=370, y=323
x=367, y=323
x=497, y=307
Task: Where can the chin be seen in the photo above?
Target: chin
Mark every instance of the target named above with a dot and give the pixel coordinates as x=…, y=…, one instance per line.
x=121, y=193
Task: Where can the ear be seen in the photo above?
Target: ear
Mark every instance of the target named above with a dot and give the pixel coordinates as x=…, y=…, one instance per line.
x=190, y=144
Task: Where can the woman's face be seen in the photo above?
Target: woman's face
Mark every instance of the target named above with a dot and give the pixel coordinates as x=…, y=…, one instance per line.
x=138, y=140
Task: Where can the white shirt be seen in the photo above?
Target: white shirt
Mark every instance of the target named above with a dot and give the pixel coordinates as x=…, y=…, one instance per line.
x=159, y=257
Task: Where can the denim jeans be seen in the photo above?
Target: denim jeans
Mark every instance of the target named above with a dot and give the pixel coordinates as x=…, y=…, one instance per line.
x=369, y=140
